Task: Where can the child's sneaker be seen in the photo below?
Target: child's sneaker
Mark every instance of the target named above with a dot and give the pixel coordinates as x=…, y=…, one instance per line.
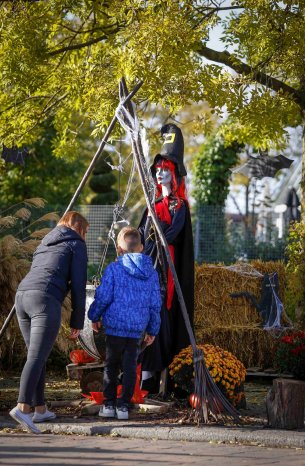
x=107, y=411
x=122, y=412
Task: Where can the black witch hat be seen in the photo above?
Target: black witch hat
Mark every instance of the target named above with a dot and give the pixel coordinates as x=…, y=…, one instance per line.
x=172, y=149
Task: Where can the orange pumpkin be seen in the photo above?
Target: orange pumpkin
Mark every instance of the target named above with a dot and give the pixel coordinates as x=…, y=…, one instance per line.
x=194, y=400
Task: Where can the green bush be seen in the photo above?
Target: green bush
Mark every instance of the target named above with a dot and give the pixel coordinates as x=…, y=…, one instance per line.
x=295, y=273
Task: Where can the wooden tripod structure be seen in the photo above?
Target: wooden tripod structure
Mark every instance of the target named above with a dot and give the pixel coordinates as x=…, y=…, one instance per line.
x=210, y=400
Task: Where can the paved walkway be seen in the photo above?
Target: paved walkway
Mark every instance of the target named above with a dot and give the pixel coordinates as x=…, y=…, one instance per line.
x=62, y=450
x=248, y=435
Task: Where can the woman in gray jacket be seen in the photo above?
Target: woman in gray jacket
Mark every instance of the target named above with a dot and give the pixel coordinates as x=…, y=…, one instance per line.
x=59, y=264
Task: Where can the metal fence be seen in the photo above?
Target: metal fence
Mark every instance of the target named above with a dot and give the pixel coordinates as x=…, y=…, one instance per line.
x=100, y=219
x=218, y=237
x=222, y=237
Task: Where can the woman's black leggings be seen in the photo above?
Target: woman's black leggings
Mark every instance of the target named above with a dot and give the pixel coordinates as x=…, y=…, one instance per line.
x=39, y=317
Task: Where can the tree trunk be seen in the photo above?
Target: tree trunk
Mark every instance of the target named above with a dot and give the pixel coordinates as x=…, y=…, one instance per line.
x=285, y=404
x=303, y=167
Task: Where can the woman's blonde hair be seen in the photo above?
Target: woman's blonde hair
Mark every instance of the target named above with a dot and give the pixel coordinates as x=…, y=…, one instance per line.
x=74, y=220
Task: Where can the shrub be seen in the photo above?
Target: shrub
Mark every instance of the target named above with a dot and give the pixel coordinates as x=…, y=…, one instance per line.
x=290, y=355
x=295, y=273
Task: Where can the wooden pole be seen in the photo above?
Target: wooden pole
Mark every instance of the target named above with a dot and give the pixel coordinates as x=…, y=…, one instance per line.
x=7, y=321
x=100, y=149
x=137, y=149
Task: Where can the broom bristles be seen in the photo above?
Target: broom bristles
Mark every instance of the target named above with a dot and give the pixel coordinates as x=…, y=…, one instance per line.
x=210, y=401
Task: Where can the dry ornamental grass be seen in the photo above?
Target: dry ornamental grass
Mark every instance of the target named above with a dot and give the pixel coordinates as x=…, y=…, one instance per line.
x=15, y=262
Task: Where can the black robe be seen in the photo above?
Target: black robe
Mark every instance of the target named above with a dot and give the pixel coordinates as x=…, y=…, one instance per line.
x=173, y=335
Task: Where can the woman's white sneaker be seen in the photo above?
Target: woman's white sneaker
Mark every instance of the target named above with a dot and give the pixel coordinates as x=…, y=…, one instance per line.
x=46, y=416
x=25, y=420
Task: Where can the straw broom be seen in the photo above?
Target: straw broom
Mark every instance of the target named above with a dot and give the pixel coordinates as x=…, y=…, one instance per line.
x=210, y=399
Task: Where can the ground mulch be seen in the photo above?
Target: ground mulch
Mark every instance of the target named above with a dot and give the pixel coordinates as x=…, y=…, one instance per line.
x=59, y=388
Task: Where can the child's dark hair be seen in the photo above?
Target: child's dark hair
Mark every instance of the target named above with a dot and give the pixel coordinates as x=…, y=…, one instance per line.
x=129, y=240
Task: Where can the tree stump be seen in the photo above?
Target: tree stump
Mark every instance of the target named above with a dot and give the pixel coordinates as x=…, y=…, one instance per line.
x=285, y=404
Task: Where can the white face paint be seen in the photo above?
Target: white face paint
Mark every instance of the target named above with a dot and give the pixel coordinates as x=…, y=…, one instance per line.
x=163, y=176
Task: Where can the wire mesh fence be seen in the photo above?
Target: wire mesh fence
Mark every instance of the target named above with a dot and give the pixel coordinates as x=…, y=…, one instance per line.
x=221, y=237
x=100, y=219
x=218, y=237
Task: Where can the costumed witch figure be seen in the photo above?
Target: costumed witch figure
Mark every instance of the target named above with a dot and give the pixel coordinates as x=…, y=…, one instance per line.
x=172, y=209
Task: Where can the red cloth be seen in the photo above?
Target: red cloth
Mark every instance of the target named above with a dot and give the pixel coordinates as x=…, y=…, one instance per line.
x=138, y=394
x=162, y=211
x=80, y=356
x=170, y=280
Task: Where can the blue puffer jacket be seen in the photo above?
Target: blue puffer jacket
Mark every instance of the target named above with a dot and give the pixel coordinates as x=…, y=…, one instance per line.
x=128, y=299
x=60, y=263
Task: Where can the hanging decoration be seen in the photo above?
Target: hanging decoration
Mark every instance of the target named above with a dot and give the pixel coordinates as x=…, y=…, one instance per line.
x=263, y=165
x=14, y=155
x=293, y=203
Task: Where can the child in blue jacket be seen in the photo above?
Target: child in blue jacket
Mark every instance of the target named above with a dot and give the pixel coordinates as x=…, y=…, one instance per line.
x=129, y=302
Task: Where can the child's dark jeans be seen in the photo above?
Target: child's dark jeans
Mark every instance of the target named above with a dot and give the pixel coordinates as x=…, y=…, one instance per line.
x=121, y=353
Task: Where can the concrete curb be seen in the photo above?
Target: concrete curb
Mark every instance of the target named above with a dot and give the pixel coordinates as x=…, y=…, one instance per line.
x=234, y=435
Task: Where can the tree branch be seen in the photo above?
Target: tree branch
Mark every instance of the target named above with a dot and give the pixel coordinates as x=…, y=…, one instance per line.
x=77, y=46
x=219, y=8
x=90, y=31
x=20, y=102
x=240, y=67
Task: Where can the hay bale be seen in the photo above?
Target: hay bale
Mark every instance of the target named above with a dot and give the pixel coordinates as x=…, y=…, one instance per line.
x=253, y=347
x=234, y=323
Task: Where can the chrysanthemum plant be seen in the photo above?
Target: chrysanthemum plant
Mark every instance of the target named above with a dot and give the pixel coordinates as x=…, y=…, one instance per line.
x=227, y=371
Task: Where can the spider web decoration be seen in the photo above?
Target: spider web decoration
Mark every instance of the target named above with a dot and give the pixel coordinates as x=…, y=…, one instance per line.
x=14, y=155
x=269, y=306
x=89, y=340
x=263, y=165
